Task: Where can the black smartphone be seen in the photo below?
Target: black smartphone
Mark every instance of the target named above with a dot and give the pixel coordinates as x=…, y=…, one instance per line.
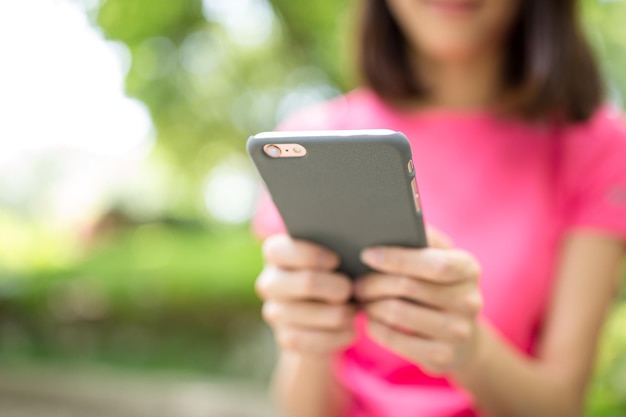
x=345, y=190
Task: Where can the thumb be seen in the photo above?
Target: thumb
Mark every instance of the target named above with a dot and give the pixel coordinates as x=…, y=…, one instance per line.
x=438, y=239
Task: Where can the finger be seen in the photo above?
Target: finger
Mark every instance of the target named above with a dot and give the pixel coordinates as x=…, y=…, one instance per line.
x=280, y=284
x=436, y=265
x=289, y=253
x=463, y=298
x=421, y=321
x=434, y=357
x=313, y=341
x=309, y=315
x=438, y=239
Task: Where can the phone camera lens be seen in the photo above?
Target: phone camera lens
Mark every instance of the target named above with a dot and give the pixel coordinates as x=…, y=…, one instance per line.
x=272, y=151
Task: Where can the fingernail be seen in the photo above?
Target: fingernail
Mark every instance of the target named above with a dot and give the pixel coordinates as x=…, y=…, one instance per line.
x=373, y=256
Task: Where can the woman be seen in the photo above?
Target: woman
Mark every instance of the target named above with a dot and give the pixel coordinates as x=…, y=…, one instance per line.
x=521, y=166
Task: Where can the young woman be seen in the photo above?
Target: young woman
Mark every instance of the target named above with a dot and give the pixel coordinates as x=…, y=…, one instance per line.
x=523, y=168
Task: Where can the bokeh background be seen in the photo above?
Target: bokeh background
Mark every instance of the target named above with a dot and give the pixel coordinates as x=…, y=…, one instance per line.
x=126, y=259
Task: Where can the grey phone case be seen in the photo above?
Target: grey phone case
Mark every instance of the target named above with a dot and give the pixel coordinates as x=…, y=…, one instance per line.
x=351, y=190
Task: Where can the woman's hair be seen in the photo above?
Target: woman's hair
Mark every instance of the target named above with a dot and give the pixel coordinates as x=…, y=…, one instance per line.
x=550, y=68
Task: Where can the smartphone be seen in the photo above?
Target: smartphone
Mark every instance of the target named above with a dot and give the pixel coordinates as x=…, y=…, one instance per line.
x=344, y=190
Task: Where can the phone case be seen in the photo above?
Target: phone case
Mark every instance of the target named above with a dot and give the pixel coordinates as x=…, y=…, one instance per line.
x=351, y=190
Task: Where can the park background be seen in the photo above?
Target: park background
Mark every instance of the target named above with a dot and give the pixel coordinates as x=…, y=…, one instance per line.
x=125, y=192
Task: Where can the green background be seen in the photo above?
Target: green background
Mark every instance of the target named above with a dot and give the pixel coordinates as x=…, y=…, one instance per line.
x=176, y=291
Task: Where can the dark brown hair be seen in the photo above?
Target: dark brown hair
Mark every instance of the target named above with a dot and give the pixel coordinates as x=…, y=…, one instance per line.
x=550, y=68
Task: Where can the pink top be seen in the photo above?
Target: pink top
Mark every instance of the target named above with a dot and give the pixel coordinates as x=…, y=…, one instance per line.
x=506, y=191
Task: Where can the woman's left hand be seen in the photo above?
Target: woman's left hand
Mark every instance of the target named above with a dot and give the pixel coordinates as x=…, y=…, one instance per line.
x=423, y=303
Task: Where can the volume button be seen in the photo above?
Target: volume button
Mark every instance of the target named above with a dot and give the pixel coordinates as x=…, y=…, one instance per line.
x=416, y=196
x=418, y=204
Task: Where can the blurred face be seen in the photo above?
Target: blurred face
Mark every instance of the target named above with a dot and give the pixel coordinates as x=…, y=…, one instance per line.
x=446, y=30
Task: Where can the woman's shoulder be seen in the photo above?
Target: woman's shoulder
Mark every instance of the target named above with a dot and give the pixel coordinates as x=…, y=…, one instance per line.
x=594, y=172
x=606, y=127
x=596, y=144
x=342, y=112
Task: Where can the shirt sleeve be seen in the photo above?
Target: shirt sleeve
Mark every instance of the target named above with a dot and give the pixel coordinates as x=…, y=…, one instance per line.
x=595, y=174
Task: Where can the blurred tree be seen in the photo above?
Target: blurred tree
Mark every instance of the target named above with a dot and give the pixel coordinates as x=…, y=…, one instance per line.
x=206, y=91
x=320, y=32
x=154, y=33
x=604, y=20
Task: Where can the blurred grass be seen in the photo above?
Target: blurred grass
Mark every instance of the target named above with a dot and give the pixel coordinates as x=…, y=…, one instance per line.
x=156, y=266
x=163, y=265
x=154, y=296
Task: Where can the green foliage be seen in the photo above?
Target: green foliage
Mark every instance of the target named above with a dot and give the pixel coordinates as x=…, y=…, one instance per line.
x=133, y=21
x=607, y=396
x=205, y=92
x=159, y=268
x=321, y=34
x=155, y=296
x=606, y=29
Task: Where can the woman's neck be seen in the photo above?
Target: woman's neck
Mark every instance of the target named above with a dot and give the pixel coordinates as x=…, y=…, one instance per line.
x=469, y=84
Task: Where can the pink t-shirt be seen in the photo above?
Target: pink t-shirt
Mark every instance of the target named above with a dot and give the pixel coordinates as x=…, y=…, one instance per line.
x=506, y=191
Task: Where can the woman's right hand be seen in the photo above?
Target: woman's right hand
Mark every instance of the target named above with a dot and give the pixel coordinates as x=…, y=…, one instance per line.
x=305, y=300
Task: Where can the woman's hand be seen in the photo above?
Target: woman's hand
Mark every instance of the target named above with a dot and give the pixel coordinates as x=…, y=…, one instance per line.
x=305, y=302
x=423, y=303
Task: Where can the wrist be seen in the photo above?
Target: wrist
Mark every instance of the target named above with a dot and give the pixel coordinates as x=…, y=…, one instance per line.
x=306, y=385
x=478, y=356
x=314, y=362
